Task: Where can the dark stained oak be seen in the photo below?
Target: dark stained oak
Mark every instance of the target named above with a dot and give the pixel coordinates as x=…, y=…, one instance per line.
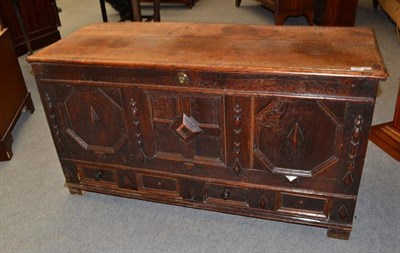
x=335, y=12
x=14, y=96
x=40, y=19
x=267, y=122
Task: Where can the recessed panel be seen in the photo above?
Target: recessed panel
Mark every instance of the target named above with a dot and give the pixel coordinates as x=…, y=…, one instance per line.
x=297, y=137
x=89, y=114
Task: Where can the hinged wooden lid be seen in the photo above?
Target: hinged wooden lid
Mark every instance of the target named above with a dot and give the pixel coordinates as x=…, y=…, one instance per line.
x=218, y=47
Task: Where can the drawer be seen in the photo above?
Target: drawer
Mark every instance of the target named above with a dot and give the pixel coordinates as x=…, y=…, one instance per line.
x=227, y=194
x=303, y=205
x=262, y=199
x=92, y=175
x=163, y=185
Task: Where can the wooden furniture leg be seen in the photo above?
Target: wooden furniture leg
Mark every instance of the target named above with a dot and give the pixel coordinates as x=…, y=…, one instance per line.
x=103, y=10
x=156, y=14
x=6, y=143
x=387, y=136
x=75, y=191
x=375, y=4
x=29, y=104
x=339, y=234
x=6, y=148
x=284, y=9
x=136, y=12
x=137, y=15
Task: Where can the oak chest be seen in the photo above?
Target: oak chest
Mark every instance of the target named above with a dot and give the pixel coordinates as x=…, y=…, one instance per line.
x=268, y=122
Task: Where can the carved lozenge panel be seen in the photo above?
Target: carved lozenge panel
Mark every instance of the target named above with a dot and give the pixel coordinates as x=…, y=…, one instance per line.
x=87, y=114
x=188, y=126
x=298, y=137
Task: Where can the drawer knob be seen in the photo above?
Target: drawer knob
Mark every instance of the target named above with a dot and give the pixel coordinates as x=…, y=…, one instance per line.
x=97, y=175
x=182, y=78
x=226, y=194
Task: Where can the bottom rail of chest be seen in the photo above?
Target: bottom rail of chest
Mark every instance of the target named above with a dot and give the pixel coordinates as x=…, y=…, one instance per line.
x=322, y=210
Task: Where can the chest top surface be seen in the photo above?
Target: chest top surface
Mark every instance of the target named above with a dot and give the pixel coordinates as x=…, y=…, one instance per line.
x=222, y=47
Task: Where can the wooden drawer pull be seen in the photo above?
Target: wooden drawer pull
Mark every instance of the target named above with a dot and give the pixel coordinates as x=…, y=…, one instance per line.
x=226, y=194
x=98, y=175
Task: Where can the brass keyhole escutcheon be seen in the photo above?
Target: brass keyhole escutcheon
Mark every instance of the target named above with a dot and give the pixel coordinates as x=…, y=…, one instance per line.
x=182, y=78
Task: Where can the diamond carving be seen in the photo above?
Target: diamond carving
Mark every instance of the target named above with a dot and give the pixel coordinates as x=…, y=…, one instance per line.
x=186, y=128
x=348, y=179
x=355, y=141
x=263, y=202
x=237, y=168
x=140, y=155
x=342, y=212
x=237, y=122
x=296, y=137
x=291, y=178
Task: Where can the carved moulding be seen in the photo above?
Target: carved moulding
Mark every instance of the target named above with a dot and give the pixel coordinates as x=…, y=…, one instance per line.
x=54, y=126
x=237, y=122
x=140, y=155
x=352, y=154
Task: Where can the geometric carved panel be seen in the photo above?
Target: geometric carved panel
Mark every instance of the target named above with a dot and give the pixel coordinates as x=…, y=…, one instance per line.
x=297, y=137
x=187, y=126
x=94, y=119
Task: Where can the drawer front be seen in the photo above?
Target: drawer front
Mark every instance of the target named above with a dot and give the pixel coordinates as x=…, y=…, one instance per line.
x=227, y=194
x=254, y=201
x=262, y=199
x=97, y=176
x=303, y=205
x=162, y=185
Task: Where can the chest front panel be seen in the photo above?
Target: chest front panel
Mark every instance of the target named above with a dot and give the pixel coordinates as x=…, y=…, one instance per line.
x=276, y=140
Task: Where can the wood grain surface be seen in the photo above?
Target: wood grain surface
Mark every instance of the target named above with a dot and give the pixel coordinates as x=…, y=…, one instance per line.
x=219, y=47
